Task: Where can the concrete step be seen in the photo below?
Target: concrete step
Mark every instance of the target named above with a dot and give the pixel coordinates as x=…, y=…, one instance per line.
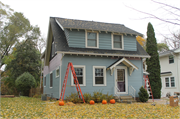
x=126, y=97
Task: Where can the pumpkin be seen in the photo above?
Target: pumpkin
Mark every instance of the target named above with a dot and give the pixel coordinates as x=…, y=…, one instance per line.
x=61, y=103
x=104, y=102
x=112, y=101
x=91, y=102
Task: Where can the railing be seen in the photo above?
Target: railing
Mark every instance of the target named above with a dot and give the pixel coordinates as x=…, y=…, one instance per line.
x=132, y=92
x=116, y=89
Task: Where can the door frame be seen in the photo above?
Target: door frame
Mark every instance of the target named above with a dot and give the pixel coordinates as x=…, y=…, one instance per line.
x=126, y=79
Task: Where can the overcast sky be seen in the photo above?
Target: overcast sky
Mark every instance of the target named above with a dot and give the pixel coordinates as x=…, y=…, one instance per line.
x=110, y=11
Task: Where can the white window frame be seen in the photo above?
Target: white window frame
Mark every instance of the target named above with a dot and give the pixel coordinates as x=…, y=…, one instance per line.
x=56, y=72
x=45, y=81
x=112, y=41
x=84, y=75
x=86, y=39
x=170, y=82
x=172, y=59
x=104, y=74
x=50, y=79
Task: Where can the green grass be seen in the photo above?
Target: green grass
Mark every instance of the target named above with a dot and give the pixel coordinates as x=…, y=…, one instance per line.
x=25, y=107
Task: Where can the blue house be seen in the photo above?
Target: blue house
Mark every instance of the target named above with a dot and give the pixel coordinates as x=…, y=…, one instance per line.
x=105, y=56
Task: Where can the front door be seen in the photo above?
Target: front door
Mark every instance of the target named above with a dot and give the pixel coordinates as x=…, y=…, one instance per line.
x=121, y=80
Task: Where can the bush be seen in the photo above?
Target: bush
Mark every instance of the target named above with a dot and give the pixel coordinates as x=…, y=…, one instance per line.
x=143, y=95
x=24, y=83
x=109, y=97
x=87, y=97
x=73, y=98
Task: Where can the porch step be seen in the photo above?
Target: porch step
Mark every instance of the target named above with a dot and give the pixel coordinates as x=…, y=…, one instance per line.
x=125, y=99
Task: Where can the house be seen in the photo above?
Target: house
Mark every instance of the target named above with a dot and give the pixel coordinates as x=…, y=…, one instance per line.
x=170, y=71
x=105, y=56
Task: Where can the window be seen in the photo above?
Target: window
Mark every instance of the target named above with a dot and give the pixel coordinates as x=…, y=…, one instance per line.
x=169, y=82
x=44, y=81
x=51, y=80
x=117, y=41
x=99, y=76
x=92, y=39
x=171, y=59
x=80, y=73
x=57, y=72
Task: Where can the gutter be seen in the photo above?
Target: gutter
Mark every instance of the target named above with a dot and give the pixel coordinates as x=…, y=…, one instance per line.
x=98, y=54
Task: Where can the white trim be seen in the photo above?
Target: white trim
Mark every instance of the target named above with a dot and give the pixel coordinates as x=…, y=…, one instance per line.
x=50, y=79
x=126, y=79
x=84, y=75
x=59, y=24
x=104, y=75
x=43, y=82
x=112, y=41
x=170, y=82
x=56, y=72
x=86, y=40
x=98, y=54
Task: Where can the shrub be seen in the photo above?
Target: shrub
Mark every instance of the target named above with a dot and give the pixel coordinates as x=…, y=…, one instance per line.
x=143, y=95
x=87, y=97
x=109, y=97
x=74, y=97
x=24, y=83
x=98, y=96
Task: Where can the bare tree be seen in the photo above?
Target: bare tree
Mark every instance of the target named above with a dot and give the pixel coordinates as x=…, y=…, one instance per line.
x=170, y=15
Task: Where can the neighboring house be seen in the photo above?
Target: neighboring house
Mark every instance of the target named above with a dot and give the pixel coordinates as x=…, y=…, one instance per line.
x=170, y=71
x=105, y=56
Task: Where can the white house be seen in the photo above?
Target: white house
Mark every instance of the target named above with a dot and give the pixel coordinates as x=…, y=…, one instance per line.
x=170, y=71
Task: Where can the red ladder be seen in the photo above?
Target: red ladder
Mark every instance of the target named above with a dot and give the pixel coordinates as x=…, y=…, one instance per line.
x=148, y=88
x=75, y=81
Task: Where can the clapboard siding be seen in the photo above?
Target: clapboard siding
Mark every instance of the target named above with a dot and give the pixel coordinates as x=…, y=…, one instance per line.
x=54, y=91
x=135, y=79
x=130, y=43
x=76, y=38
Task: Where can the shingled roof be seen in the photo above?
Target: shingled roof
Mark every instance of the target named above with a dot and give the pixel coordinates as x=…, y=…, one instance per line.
x=62, y=45
x=92, y=25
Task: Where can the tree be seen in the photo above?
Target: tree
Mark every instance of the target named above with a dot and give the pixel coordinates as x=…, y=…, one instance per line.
x=14, y=27
x=26, y=58
x=162, y=47
x=167, y=15
x=143, y=95
x=141, y=41
x=25, y=82
x=153, y=66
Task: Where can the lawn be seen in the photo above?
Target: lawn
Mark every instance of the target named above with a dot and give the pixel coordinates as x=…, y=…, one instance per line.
x=25, y=107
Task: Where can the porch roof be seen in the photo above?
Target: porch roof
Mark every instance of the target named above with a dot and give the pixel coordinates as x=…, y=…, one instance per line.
x=125, y=62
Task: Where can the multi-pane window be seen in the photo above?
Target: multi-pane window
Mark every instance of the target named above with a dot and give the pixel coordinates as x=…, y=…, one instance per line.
x=169, y=82
x=51, y=80
x=92, y=39
x=120, y=75
x=117, y=41
x=99, y=78
x=79, y=74
x=171, y=59
x=57, y=72
x=44, y=81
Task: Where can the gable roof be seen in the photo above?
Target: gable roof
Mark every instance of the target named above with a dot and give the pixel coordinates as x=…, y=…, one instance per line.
x=92, y=25
x=56, y=31
x=169, y=52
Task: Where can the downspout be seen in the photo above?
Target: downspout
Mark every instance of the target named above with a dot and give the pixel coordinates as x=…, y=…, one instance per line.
x=41, y=74
x=60, y=75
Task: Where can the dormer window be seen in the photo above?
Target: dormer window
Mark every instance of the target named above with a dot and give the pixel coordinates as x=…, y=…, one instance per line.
x=92, y=39
x=117, y=41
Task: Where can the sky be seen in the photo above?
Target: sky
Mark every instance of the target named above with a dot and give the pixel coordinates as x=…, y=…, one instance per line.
x=110, y=11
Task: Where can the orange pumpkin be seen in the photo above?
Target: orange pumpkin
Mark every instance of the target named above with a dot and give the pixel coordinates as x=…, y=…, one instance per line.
x=104, y=102
x=91, y=102
x=61, y=103
x=112, y=101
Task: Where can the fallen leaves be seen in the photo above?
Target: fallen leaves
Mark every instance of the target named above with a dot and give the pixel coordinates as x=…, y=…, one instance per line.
x=24, y=107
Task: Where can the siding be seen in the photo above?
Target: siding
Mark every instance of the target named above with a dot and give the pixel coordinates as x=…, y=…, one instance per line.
x=76, y=38
x=54, y=91
x=135, y=79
